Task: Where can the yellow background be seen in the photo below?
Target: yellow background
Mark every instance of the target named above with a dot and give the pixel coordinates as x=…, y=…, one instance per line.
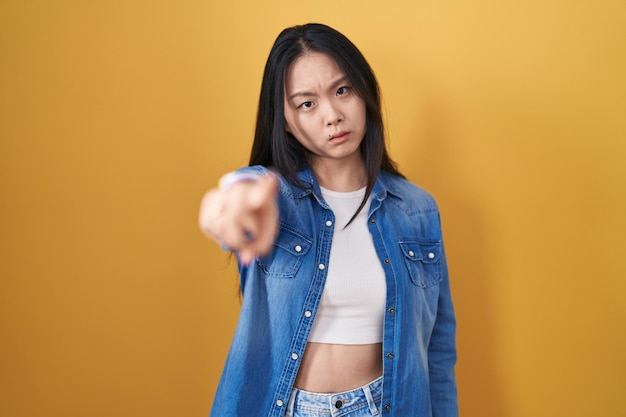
x=115, y=116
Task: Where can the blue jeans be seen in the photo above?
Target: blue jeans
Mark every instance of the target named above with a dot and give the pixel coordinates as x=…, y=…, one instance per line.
x=361, y=402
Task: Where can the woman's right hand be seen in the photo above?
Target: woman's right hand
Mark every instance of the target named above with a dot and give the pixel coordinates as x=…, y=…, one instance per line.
x=243, y=216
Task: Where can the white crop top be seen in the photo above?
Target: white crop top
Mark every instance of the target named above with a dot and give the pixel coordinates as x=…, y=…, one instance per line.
x=352, y=307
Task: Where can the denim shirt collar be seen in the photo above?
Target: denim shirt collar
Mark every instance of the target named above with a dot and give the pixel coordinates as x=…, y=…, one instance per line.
x=383, y=186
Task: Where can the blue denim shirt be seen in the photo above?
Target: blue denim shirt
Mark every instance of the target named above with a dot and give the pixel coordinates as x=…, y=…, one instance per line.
x=282, y=291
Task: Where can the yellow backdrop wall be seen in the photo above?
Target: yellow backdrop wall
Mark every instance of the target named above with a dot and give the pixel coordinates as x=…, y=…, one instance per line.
x=115, y=117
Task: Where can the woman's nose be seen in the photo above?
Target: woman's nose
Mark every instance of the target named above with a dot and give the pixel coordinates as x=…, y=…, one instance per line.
x=333, y=116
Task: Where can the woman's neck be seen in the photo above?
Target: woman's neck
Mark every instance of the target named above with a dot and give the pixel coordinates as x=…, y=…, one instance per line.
x=340, y=176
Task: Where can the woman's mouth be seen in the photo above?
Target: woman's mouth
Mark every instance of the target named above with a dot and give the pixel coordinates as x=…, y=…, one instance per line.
x=338, y=136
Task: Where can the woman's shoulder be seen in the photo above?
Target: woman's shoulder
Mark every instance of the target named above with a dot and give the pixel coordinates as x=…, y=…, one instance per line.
x=254, y=169
x=286, y=188
x=408, y=192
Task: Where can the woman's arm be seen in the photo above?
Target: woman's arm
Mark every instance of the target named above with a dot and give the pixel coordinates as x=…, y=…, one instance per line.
x=442, y=353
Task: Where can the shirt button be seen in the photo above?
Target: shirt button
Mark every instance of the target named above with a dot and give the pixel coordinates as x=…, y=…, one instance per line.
x=329, y=223
x=294, y=356
x=387, y=261
x=387, y=406
x=279, y=403
x=411, y=253
x=298, y=248
x=372, y=221
x=321, y=266
x=390, y=355
x=431, y=255
x=392, y=310
x=307, y=313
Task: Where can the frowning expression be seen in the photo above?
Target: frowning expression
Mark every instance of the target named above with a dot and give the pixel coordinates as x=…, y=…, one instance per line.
x=322, y=111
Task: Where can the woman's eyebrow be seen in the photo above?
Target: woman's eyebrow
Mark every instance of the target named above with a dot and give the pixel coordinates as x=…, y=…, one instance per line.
x=341, y=80
x=300, y=94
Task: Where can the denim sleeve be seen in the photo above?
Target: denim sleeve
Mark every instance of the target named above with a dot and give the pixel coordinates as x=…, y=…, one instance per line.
x=442, y=353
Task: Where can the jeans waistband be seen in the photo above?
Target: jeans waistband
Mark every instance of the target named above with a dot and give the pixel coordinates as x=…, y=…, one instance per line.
x=337, y=404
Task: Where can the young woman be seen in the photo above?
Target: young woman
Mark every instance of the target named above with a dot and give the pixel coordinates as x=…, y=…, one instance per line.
x=346, y=300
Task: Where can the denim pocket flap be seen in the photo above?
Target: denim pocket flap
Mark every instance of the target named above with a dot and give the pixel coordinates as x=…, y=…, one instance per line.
x=285, y=259
x=427, y=252
x=423, y=260
x=293, y=242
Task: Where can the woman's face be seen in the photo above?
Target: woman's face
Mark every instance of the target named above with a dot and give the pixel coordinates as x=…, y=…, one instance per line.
x=322, y=111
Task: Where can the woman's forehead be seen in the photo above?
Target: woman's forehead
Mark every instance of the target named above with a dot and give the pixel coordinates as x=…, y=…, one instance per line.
x=313, y=70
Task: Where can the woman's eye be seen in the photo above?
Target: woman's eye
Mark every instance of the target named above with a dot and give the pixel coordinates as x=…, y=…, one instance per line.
x=306, y=105
x=342, y=90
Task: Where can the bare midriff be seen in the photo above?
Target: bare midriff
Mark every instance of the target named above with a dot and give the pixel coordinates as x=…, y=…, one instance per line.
x=327, y=368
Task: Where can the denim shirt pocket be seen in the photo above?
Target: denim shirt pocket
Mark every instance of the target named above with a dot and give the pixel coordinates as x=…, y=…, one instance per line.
x=289, y=250
x=423, y=260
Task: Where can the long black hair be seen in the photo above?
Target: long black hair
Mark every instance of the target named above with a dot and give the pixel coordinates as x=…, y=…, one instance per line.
x=275, y=147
